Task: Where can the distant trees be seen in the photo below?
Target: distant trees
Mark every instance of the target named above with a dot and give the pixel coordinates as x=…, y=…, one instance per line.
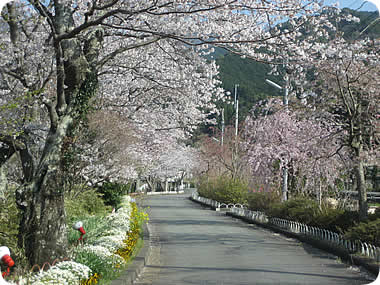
x=250, y=76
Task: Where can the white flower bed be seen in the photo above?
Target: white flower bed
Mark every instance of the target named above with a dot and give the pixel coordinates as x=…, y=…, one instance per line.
x=70, y=272
x=120, y=219
x=102, y=253
x=63, y=273
x=111, y=242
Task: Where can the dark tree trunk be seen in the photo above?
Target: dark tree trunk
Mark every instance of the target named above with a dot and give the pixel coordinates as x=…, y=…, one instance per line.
x=361, y=188
x=43, y=226
x=357, y=145
x=42, y=231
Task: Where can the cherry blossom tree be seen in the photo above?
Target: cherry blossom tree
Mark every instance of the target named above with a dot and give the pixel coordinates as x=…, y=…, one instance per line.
x=349, y=89
x=343, y=75
x=59, y=57
x=175, y=163
x=286, y=138
x=106, y=149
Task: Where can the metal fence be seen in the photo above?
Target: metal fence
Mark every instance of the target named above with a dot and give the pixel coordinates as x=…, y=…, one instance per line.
x=371, y=196
x=330, y=237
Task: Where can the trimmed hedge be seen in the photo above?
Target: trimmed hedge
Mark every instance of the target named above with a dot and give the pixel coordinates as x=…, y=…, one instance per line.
x=225, y=190
x=368, y=231
x=262, y=201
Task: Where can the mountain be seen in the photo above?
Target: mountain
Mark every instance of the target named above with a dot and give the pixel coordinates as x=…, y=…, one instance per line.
x=369, y=25
x=250, y=76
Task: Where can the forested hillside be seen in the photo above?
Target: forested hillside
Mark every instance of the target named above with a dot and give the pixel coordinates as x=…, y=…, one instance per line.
x=250, y=76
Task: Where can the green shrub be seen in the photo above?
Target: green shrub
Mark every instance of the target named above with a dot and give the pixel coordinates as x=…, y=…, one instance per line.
x=9, y=225
x=337, y=220
x=302, y=210
x=307, y=211
x=345, y=220
x=262, y=201
x=224, y=189
x=84, y=203
x=205, y=188
x=374, y=216
x=327, y=218
x=368, y=231
x=100, y=261
x=277, y=210
x=9, y=220
x=113, y=192
x=229, y=190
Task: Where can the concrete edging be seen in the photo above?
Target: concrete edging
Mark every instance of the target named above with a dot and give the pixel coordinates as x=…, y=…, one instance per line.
x=323, y=245
x=129, y=276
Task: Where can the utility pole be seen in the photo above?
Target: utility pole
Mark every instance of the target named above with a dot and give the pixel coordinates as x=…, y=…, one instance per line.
x=285, y=168
x=236, y=110
x=222, y=140
x=235, y=153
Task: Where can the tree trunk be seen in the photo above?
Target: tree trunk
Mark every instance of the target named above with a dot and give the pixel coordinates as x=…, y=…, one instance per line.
x=42, y=231
x=43, y=226
x=357, y=144
x=362, y=189
x=152, y=183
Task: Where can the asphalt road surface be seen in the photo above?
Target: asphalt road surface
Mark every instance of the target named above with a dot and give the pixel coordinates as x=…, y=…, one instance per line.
x=195, y=245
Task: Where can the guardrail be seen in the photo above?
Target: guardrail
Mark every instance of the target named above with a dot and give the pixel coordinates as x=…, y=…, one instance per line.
x=215, y=204
x=371, y=196
x=333, y=238
x=166, y=192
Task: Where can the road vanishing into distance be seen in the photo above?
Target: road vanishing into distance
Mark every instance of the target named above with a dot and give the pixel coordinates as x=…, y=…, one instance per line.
x=195, y=245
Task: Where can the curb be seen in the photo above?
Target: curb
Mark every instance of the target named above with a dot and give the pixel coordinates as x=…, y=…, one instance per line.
x=129, y=276
x=342, y=253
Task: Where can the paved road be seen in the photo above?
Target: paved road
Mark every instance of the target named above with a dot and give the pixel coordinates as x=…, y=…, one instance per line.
x=194, y=245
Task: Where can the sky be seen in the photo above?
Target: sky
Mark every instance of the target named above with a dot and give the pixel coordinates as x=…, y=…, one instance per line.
x=355, y=4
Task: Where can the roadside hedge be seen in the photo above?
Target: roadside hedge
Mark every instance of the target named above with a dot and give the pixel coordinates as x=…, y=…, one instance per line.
x=225, y=190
